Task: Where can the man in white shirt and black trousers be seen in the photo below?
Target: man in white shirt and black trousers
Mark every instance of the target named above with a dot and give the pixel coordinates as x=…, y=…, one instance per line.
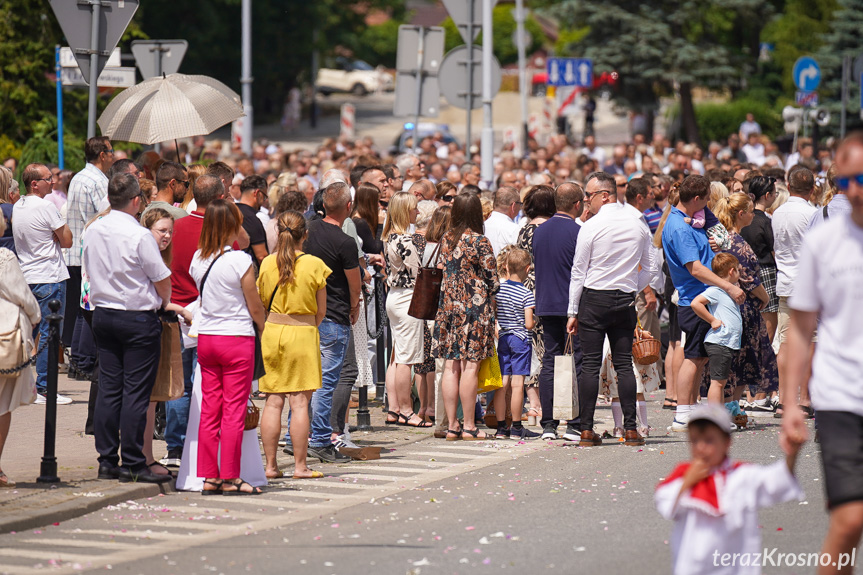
x=128, y=283
x=611, y=248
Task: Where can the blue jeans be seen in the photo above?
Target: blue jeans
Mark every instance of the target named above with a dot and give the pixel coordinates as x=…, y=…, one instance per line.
x=177, y=411
x=44, y=293
x=334, y=346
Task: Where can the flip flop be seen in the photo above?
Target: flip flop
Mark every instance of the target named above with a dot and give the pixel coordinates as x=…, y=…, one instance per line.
x=279, y=474
x=407, y=421
x=315, y=475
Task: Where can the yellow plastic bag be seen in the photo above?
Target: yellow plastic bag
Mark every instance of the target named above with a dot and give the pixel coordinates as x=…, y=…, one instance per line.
x=489, y=375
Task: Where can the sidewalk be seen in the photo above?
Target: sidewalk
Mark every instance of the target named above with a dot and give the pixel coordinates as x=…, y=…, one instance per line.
x=32, y=504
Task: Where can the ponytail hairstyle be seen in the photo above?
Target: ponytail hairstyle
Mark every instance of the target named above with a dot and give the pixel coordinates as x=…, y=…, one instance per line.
x=292, y=230
x=728, y=208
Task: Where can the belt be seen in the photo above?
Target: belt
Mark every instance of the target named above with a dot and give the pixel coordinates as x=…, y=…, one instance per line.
x=292, y=319
x=609, y=292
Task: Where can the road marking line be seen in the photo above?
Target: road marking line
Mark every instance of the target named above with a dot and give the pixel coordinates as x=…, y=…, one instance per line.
x=81, y=543
x=263, y=501
x=20, y=569
x=213, y=512
x=437, y=464
x=366, y=476
x=48, y=554
x=223, y=531
x=438, y=454
x=112, y=533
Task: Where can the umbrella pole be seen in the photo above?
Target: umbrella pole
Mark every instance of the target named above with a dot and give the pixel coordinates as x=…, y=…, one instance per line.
x=177, y=148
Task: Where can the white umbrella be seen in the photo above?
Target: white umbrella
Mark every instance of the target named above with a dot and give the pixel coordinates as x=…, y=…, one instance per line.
x=170, y=107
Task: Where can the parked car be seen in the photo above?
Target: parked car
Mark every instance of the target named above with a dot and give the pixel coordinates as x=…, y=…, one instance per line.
x=424, y=130
x=603, y=83
x=354, y=76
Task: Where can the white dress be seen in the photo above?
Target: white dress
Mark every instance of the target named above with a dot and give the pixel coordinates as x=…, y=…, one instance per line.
x=251, y=464
x=19, y=308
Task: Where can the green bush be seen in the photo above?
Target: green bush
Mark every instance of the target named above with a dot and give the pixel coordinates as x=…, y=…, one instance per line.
x=378, y=45
x=716, y=121
x=42, y=146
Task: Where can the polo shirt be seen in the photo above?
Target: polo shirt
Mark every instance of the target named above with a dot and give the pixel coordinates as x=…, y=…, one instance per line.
x=553, y=253
x=684, y=244
x=187, y=234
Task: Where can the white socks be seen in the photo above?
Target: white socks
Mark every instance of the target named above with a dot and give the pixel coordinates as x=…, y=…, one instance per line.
x=617, y=413
x=682, y=412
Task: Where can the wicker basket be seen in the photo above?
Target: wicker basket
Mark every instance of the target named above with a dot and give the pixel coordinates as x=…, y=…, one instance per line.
x=253, y=415
x=645, y=350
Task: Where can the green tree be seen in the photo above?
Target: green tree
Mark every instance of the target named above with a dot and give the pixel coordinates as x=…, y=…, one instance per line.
x=503, y=28
x=379, y=44
x=843, y=38
x=664, y=46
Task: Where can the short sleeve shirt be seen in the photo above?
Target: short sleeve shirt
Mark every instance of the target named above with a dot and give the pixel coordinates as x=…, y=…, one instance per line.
x=338, y=251
x=253, y=227
x=724, y=308
x=512, y=299
x=40, y=257
x=684, y=244
x=224, y=310
x=298, y=297
x=830, y=281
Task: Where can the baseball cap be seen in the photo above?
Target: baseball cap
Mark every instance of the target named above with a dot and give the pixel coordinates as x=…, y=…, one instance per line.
x=713, y=413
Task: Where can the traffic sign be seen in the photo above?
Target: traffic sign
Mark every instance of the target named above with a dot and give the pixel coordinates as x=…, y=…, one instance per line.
x=67, y=58
x=121, y=77
x=576, y=72
x=807, y=99
x=157, y=57
x=418, y=62
x=464, y=14
x=454, y=78
x=75, y=20
x=807, y=74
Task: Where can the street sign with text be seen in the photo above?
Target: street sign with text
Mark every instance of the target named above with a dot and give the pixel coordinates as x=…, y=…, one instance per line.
x=807, y=99
x=121, y=77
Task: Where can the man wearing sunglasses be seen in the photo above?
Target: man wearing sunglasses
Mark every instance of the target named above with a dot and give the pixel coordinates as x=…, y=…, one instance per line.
x=827, y=295
x=171, y=185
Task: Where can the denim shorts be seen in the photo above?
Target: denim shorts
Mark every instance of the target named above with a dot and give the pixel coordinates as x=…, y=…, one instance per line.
x=514, y=354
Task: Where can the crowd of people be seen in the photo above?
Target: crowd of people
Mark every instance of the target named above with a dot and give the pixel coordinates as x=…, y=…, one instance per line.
x=565, y=252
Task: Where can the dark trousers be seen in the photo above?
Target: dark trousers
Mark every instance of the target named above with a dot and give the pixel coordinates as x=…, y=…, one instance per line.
x=89, y=427
x=129, y=344
x=73, y=305
x=554, y=337
x=83, y=355
x=342, y=395
x=601, y=314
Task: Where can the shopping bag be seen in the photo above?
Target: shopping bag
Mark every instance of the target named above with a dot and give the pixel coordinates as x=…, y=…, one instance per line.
x=489, y=375
x=169, y=377
x=565, y=400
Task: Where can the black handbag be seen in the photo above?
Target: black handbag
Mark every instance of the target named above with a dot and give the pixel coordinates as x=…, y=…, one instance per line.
x=426, y=296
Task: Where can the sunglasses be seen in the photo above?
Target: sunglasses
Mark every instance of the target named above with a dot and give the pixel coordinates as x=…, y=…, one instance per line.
x=186, y=183
x=844, y=182
x=448, y=198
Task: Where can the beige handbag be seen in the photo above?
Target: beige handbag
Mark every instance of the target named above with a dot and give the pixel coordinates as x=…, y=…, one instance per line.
x=12, y=353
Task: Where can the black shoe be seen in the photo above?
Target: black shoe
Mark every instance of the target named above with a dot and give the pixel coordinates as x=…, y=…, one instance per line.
x=327, y=454
x=549, y=432
x=81, y=375
x=572, y=434
x=523, y=433
x=108, y=471
x=502, y=433
x=142, y=476
x=173, y=458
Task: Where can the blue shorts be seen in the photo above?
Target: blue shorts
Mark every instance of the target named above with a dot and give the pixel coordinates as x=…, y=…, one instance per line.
x=514, y=355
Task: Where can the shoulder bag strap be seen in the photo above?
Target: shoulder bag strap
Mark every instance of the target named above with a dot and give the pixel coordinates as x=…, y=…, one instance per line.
x=826, y=215
x=436, y=255
x=272, y=297
x=206, y=275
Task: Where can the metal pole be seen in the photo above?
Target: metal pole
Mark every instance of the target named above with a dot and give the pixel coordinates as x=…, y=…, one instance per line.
x=364, y=418
x=487, y=157
x=158, y=52
x=469, y=76
x=48, y=470
x=95, y=33
x=313, y=119
x=846, y=73
x=59, y=72
x=419, y=74
x=246, y=79
x=522, y=72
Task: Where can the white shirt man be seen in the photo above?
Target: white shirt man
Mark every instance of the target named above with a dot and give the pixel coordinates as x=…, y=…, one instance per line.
x=500, y=228
x=790, y=222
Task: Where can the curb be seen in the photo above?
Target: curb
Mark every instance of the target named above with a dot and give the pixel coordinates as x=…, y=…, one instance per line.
x=79, y=506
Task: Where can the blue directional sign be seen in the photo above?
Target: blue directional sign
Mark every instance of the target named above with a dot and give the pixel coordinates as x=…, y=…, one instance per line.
x=807, y=74
x=576, y=72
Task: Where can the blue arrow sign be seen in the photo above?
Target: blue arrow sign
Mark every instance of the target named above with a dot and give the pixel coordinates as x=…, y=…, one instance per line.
x=807, y=74
x=576, y=72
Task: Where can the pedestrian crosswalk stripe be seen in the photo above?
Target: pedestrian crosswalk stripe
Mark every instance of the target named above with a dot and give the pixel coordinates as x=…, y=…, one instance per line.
x=100, y=545
x=112, y=533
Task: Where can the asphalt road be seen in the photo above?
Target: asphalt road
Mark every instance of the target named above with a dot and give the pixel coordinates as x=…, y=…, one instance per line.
x=427, y=507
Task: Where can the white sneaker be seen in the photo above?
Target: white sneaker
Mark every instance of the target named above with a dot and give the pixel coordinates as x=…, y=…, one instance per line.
x=344, y=441
x=734, y=428
x=744, y=405
x=618, y=432
x=61, y=399
x=678, y=425
x=645, y=431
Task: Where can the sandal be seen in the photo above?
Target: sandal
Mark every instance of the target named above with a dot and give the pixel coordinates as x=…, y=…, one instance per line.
x=473, y=435
x=455, y=433
x=239, y=489
x=407, y=421
x=5, y=482
x=156, y=463
x=392, y=421
x=279, y=474
x=779, y=411
x=314, y=475
x=216, y=491
x=669, y=404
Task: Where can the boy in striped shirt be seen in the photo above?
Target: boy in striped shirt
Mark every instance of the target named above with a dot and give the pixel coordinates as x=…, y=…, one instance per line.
x=515, y=305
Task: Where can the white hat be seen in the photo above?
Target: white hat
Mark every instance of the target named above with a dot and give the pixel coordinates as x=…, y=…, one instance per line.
x=713, y=413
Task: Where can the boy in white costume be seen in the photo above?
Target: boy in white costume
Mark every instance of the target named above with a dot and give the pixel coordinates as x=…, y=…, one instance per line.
x=714, y=501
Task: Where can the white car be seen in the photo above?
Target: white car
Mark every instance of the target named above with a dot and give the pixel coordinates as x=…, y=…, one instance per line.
x=355, y=76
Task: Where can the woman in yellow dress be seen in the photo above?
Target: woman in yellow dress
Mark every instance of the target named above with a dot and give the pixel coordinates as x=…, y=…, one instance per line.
x=292, y=287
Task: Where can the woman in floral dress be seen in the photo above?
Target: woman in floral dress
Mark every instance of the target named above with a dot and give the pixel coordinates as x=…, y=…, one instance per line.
x=464, y=325
x=539, y=207
x=755, y=365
